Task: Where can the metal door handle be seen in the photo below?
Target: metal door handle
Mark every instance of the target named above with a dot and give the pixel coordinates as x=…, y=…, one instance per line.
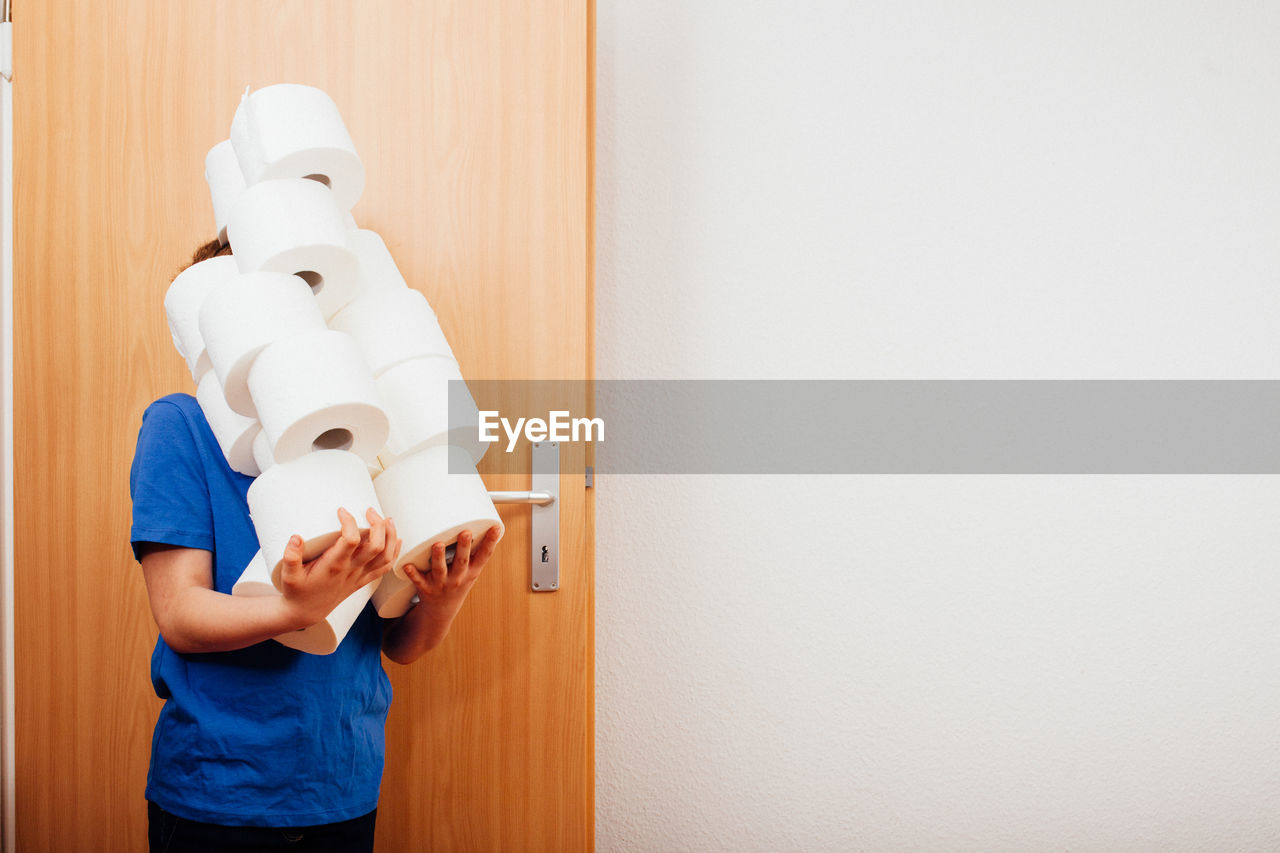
x=544, y=550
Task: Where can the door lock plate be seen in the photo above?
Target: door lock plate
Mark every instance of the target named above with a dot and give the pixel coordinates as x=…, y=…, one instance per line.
x=545, y=551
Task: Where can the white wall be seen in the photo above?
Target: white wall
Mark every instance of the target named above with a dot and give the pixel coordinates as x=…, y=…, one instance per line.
x=938, y=190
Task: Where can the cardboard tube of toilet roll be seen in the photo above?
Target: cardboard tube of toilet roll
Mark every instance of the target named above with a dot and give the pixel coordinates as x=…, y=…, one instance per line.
x=313, y=391
x=295, y=226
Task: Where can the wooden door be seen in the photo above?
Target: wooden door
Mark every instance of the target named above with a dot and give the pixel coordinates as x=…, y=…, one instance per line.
x=473, y=118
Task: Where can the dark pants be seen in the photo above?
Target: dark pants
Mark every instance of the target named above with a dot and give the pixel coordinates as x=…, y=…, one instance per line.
x=169, y=833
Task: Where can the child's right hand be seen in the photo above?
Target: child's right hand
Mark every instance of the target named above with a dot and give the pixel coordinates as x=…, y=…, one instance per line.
x=311, y=590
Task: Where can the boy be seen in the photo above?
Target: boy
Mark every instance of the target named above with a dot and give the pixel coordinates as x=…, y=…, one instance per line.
x=260, y=747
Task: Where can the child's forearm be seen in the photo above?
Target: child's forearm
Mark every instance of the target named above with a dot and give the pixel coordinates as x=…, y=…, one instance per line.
x=193, y=617
x=442, y=589
x=202, y=620
x=417, y=632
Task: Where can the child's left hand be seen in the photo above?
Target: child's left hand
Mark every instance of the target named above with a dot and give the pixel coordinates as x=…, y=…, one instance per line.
x=445, y=586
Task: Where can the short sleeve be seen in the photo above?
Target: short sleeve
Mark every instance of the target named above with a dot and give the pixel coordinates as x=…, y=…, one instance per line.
x=171, y=503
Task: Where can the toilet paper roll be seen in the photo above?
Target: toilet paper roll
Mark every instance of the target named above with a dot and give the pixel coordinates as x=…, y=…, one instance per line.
x=235, y=433
x=395, y=595
x=319, y=639
x=292, y=131
x=262, y=451
x=302, y=497
x=429, y=504
x=324, y=637
x=313, y=391
x=390, y=327
x=416, y=397
x=226, y=182
x=242, y=315
x=378, y=270
x=295, y=226
x=182, y=303
x=255, y=579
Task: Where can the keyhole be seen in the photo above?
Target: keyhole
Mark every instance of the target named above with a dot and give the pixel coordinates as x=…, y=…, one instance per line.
x=546, y=558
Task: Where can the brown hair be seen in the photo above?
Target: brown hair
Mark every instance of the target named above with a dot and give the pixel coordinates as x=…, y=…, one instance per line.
x=212, y=249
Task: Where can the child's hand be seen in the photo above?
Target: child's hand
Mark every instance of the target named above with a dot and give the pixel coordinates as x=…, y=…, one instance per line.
x=313, y=589
x=446, y=586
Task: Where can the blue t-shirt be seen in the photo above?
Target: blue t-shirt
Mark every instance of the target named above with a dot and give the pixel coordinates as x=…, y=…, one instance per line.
x=262, y=736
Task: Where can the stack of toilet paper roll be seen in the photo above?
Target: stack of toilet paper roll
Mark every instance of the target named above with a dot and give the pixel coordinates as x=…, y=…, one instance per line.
x=322, y=374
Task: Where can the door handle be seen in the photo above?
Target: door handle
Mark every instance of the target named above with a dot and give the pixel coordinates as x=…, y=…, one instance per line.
x=544, y=550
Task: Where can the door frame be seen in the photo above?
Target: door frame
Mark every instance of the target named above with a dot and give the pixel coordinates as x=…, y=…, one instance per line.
x=8, y=704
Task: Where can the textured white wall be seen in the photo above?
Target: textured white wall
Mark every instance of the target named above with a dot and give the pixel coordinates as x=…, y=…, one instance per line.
x=938, y=190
